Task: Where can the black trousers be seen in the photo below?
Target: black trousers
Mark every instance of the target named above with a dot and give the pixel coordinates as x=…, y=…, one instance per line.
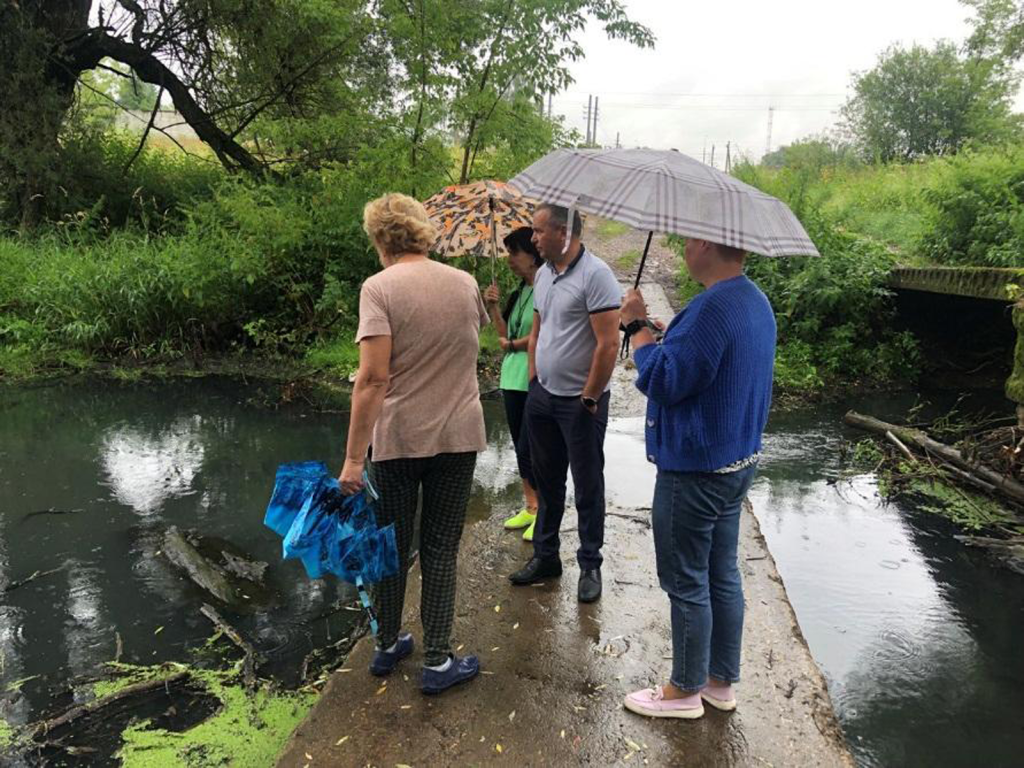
x=565, y=435
x=446, y=481
x=515, y=415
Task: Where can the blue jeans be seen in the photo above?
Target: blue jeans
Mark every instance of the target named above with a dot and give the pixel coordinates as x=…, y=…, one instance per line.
x=696, y=520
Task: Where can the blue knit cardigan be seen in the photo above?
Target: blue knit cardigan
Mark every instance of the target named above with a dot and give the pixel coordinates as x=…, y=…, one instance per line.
x=709, y=382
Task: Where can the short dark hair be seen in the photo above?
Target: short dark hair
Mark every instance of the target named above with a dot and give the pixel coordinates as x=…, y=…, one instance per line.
x=731, y=253
x=561, y=216
x=522, y=240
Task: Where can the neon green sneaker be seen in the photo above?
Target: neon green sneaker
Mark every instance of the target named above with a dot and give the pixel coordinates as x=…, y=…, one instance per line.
x=522, y=520
x=528, y=536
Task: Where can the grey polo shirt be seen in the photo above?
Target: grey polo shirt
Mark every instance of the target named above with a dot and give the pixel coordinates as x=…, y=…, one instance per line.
x=565, y=302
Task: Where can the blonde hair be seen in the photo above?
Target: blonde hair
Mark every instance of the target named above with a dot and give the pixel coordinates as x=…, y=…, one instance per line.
x=397, y=224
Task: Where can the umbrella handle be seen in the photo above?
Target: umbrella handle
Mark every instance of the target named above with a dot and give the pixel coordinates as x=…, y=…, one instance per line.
x=494, y=243
x=624, y=352
x=364, y=598
x=643, y=260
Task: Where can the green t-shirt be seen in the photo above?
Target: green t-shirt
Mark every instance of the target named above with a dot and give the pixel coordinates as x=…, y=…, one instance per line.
x=515, y=368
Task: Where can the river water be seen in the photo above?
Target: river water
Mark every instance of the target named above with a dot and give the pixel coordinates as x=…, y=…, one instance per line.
x=918, y=637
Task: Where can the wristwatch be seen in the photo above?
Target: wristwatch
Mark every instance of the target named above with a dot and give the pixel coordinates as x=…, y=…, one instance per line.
x=589, y=402
x=635, y=327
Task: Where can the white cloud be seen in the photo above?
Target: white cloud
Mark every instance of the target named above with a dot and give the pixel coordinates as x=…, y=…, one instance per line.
x=717, y=67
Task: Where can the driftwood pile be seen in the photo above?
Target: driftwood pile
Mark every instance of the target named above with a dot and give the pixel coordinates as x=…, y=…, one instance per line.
x=991, y=462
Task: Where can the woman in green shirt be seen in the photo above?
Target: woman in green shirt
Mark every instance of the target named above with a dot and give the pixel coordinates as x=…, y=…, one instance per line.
x=514, y=325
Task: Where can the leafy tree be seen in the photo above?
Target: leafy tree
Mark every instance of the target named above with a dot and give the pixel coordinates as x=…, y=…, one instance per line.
x=922, y=101
x=998, y=29
x=813, y=152
x=470, y=64
x=224, y=65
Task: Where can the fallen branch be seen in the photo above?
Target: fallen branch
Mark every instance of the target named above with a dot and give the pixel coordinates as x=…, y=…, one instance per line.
x=968, y=477
x=252, y=656
x=37, y=575
x=74, y=713
x=902, y=448
x=1004, y=485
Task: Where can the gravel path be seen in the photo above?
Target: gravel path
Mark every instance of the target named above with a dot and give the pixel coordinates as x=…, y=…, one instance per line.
x=622, y=247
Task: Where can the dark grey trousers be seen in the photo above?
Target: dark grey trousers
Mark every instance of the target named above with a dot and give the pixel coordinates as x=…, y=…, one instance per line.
x=446, y=480
x=565, y=435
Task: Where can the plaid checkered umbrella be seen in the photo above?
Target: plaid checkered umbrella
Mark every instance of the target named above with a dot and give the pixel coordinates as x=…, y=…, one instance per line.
x=668, y=192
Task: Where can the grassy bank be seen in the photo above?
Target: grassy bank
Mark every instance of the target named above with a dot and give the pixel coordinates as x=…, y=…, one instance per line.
x=196, y=270
x=962, y=210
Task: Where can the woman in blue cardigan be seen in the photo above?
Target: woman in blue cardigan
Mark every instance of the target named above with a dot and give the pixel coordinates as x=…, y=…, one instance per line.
x=709, y=388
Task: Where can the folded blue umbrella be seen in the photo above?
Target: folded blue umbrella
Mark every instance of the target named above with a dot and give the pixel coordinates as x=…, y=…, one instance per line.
x=329, y=531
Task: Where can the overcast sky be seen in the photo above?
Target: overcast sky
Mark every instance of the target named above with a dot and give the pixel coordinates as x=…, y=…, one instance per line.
x=718, y=66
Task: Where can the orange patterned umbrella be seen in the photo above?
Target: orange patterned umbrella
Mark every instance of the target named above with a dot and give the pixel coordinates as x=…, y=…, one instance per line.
x=471, y=218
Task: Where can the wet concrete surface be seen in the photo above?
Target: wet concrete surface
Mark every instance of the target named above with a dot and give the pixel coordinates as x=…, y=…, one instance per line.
x=555, y=671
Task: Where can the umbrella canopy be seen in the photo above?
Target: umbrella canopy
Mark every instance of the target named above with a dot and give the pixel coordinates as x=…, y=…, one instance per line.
x=471, y=218
x=328, y=531
x=666, y=191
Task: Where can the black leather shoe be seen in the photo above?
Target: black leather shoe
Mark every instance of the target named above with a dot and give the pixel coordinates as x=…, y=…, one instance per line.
x=536, y=570
x=590, y=585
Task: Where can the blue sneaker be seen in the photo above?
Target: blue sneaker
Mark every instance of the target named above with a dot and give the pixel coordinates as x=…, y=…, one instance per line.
x=384, y=663
x=461, y=671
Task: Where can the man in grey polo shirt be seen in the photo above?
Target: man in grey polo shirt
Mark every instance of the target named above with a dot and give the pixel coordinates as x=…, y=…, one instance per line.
x=572, y=355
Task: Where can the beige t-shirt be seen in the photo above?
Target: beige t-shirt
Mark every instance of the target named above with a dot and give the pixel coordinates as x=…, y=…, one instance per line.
x=433, y=314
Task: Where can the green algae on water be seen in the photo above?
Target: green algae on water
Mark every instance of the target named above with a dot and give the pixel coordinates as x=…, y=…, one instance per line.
x=247, y=729
x=7, y=734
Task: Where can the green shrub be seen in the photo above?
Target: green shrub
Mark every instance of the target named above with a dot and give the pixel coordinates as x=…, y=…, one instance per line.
x=976, y=213
x=834, y=313
x=153, y=192
x=276, y=266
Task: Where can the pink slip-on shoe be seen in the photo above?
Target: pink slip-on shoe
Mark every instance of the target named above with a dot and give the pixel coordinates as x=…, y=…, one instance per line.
x=719, y=698
x=651, y=702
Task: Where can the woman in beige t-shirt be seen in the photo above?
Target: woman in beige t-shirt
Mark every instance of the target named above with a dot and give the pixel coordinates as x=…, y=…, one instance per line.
x=416, y=400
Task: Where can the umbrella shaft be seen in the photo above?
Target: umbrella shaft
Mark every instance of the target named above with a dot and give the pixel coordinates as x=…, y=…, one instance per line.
x=643, y=259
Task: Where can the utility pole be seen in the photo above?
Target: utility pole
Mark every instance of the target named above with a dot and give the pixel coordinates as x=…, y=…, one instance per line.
x=704, y=154
x=768, y=144
x=728, y=156
x=590, y=109
x=712, y=155
x=618, y=144
x=596, y=111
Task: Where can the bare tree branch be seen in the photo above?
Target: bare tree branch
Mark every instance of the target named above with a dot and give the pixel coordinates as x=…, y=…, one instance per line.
x=145, y=133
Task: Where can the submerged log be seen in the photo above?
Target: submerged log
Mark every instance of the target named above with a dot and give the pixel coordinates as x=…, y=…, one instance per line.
x=1010, y=552
x=204, y=573
x=1007, y=486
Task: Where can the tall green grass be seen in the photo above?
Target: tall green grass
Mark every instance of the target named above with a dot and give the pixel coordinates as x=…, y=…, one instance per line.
x=964, y=210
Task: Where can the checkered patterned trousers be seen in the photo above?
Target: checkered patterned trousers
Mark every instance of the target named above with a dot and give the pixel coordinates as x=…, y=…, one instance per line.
x=446, y=480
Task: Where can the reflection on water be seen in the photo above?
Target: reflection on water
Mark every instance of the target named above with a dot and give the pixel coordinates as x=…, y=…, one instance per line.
x=919, y=638
x=90, y=479
x=916, y=672
x=144, y=470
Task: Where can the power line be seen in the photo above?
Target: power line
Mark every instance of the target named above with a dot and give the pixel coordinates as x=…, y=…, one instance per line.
x=722, y=107
x=716, y=95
